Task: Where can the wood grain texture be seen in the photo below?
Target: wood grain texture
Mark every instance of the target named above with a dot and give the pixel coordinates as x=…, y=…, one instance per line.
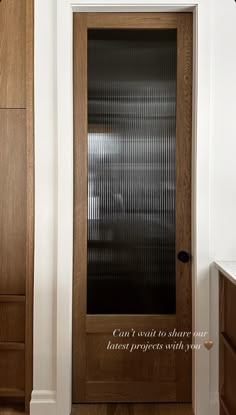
x=12, y=409
x=12, y=298
x=132, y=409
x=12, y=346
x=122, y=366
x=183, y=196
x=169, y=383
x=17, y=186
x=12, y=54
x=12, y=366
x=224, y=410
x=10, y=394
x=227, y=343
x=107, y=323
x=221, y=329
x=13, y=201
x=29, y=288
x=230, y=311
x=229, y=380
x=130, y=392
x=80, y=204
x=132, y=20
x=12, y=321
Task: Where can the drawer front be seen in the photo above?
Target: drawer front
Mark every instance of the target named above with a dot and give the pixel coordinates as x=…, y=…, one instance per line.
x=222, y=411
x=12, y=370
x=12, y=321
x=229, y=381
x=230, y=310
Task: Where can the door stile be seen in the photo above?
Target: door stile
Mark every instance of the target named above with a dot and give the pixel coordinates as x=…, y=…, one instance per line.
x=183, y=193
x=80, y=204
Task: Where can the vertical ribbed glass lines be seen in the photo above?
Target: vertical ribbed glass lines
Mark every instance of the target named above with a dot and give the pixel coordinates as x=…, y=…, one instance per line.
x=131, y=171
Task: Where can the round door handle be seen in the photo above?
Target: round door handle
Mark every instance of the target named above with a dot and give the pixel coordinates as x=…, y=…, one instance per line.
x=184, y=256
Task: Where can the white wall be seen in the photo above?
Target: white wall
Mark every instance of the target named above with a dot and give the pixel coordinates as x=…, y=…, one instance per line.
x=222, y=155
x=223, y=131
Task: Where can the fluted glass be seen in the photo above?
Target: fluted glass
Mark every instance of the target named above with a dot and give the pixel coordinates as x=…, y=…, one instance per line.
x=131, y=171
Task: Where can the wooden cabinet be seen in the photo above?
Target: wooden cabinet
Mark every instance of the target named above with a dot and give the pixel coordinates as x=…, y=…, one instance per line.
x=227, y=346
x=12, y=53
x=16, y=200
x=12, y=384
x=13, y=201
x=12, y=319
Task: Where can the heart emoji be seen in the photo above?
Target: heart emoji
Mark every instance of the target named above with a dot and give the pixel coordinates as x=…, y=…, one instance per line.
x=208, y=344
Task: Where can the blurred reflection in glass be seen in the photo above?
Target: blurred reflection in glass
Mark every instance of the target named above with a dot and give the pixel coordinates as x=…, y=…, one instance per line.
x=131, y=171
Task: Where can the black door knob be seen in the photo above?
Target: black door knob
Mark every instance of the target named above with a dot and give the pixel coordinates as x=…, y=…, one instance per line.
x=184, y=256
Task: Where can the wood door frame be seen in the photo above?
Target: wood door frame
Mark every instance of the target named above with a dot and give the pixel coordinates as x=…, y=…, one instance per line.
x=200, y=321
x=182, y=22
x=29, y=288
x=56, y=118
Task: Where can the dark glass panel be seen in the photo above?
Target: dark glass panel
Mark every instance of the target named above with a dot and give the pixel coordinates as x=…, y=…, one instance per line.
x=131, y=171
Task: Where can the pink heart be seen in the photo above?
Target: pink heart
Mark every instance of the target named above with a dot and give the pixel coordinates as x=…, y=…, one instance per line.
x=208, y=344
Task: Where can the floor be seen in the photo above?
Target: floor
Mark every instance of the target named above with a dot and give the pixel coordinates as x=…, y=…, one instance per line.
x=132, y=409
x=11, y=410
x=117, y=409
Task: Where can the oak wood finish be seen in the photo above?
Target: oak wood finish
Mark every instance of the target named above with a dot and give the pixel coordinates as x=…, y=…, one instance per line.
x=12, y=346
x=155, y=365
x=230, y=311
x=29, y=288
x=132, y=409
x=12, y=54
x=221, y=329
x=12, y=298
x=227, y=344
x=80, y=203
x=12, y=321
x=12, y=366
x=102, y=391
x=11, y=393
x=17, y=203
x=12, y=410
x=95, y=372
x=223, y=407
x=101, y=324
x=13, y=201
x=132, y=20
x=183, y=195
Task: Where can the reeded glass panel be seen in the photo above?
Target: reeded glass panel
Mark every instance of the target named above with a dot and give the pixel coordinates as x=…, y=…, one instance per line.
x=131, y=171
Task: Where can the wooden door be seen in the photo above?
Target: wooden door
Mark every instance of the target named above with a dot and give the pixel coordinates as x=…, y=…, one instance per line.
x=132, y=207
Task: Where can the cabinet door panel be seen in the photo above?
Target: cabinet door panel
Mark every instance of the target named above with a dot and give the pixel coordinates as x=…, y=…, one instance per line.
x=12, y=366
x=12, y=321
x=12, y=54
x=12, y=201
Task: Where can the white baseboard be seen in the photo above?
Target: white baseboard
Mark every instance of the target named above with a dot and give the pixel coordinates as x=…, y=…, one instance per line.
x=43, y=403
x=214, y=404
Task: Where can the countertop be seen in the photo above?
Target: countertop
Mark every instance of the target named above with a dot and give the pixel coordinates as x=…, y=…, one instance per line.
x=228, y=268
